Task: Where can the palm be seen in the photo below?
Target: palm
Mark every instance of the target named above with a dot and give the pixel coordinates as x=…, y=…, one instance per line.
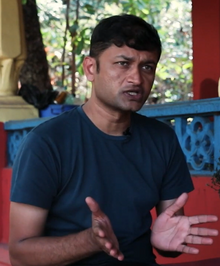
x=170, y=232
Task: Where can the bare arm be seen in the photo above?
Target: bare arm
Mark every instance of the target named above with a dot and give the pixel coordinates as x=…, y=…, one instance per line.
x=27, y=246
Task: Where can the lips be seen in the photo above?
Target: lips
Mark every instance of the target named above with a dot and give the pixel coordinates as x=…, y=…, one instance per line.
x=133, y=95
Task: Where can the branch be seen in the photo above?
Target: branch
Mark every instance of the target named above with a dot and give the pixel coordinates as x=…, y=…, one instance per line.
x=65, y=40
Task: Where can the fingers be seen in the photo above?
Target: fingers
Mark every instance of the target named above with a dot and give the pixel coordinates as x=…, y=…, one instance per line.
x=190, y=239
x=202, y=219
x=97, y=214
x=94, y=208
x=111, y=250
x=114, y=252
x=196, y=233
x=92, y=204
x=187, y=249
x=102, y=231
x=203, y=231
x=177, y=205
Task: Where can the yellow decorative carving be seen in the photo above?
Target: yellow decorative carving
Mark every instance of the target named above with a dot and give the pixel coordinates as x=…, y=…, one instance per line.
x=12, y=45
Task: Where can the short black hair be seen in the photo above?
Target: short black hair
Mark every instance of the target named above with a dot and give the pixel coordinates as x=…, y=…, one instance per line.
x=122, y=30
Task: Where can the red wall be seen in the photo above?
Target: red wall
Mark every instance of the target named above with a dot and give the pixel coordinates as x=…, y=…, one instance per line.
x=5, y=181
x=2, y=165
x=206, y=48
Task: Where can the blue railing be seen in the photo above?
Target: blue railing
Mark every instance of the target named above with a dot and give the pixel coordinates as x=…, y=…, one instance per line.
x=196, y=123
x=16, y=131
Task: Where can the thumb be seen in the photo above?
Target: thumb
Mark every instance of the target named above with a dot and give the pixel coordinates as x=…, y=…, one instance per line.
x=93, y=206
x=177, y=205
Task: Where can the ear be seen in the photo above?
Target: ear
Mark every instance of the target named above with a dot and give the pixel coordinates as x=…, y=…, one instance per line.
x=89, y=67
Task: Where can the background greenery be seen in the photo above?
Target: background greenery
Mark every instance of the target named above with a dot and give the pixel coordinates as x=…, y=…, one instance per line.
x=66, y=27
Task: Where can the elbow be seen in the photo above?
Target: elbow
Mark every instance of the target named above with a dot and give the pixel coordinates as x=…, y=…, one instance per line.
x=14, y=262
x=14, y=257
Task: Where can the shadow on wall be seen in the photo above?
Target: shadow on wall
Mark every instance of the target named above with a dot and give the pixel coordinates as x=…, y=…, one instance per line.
x=209, y=89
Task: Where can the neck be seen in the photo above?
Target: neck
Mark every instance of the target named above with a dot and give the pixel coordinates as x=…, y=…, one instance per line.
x=110, y=122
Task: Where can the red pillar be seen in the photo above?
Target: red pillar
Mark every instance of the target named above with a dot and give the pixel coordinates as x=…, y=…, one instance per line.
x=206, y=48
x=5, y=183
x=2, y=165
x=3, y=148
x=5, y=203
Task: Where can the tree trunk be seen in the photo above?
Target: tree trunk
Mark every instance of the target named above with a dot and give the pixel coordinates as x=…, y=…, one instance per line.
x=35, y=69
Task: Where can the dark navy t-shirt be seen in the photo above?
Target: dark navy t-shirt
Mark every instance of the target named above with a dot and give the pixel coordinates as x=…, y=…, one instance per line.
x=67, y=158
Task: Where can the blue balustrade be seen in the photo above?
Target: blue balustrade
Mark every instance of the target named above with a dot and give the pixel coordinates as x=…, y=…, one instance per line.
x=196, y=123
x=197, y=126
x=16, y=132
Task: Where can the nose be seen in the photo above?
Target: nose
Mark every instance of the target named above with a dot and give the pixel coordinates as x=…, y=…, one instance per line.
x=134, y=76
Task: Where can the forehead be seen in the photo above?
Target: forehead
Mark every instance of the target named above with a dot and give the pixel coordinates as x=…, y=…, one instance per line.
x=114, y=52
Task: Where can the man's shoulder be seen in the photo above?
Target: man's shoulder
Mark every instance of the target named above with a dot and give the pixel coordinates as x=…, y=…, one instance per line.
x=152, y=123
x=59, y=123
x=54, y=130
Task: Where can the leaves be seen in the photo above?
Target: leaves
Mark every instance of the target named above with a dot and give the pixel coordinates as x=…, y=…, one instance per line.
x=89, y=9
x=172, y=19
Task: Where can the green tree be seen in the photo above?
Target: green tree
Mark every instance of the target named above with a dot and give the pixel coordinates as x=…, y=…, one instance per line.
x=66, y=27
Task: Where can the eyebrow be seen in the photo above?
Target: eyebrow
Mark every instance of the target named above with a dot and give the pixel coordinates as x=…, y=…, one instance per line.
x=133, y=59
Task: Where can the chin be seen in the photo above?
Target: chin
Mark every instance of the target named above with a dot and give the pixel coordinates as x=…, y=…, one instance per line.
x=132, y=109
x=136, y=108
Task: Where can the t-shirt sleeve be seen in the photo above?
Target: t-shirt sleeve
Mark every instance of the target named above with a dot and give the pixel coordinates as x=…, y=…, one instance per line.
x=35, y=178
x=177, y=178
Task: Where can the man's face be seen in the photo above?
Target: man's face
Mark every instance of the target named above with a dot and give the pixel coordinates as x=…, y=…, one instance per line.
x=124, y=79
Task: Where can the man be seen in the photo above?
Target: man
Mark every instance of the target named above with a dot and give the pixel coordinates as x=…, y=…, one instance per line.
x=84, y=182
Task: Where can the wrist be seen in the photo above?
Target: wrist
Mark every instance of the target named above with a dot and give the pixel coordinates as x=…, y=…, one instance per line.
x=92, y=240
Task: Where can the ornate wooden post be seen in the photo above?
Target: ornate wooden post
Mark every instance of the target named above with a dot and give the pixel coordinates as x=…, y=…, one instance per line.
x=12, y=57
x=12, y=46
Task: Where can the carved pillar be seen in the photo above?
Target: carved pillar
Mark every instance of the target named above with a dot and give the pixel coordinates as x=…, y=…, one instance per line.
x=12, y=57
x=12, y=46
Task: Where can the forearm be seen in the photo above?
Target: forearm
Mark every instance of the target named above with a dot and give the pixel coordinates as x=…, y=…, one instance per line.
x=52, y=251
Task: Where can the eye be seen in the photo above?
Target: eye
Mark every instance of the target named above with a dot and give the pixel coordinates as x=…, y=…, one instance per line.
x=122, y=63
x=148, y=68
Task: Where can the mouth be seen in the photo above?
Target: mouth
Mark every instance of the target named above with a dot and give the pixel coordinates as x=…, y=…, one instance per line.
x=133, y=95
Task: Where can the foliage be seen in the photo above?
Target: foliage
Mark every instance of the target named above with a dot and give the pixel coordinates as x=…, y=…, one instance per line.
x=67, y=33
x=216, y=178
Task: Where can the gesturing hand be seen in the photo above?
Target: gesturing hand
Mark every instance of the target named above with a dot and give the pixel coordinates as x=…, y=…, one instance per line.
x=170, y=232
x=102, y=232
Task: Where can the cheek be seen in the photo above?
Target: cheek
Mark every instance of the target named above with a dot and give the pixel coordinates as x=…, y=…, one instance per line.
x=115, y=75
x=150, y=81
x=111, y=77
